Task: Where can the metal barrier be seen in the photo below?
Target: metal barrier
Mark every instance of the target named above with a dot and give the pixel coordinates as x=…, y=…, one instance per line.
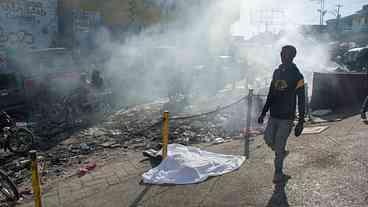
x=249, y=104
x=35, y=179
x=248, y=107
x=307, y=107
x=338, y=90
x=248, y=123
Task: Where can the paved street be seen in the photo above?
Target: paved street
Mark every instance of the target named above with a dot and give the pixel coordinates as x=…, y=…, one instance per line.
x=328, y=169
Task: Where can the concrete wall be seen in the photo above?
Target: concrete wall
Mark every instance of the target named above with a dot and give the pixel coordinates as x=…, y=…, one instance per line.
x=25, y=25
x=35, y=24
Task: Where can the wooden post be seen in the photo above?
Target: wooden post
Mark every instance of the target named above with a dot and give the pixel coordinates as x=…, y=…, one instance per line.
x=165, y=135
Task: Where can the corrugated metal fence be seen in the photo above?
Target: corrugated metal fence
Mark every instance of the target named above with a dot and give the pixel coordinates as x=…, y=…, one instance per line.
x=337, y=90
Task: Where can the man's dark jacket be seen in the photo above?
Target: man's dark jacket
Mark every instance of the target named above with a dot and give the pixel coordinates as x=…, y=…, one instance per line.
x=287, y=84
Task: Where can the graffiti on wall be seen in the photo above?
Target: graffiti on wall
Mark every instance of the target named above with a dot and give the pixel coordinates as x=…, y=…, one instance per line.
x=20, y=37
x=27, y=11
x=27, y=24
x=85, y=21
x=84, y=24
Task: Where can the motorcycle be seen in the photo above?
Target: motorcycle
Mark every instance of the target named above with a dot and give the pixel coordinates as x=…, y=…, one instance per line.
x=8, y=190
x=18, y=140
x=79, y=107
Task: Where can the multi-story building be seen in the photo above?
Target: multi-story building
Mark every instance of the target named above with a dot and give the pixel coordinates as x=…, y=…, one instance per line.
x=360, y=20
x=352, y=28
x=357, y=22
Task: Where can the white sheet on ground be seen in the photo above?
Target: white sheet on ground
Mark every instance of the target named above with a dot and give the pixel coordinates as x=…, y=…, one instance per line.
x=187, y=165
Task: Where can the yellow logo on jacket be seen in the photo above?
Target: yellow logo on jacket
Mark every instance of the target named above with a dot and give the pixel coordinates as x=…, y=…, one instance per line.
x=280, y=85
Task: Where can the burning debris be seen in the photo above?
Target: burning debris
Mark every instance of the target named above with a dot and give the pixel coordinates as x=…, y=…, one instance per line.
x=186, y=60
x=137, y=128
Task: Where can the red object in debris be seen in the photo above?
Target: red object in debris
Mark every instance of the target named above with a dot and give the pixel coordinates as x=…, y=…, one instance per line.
x=86, y=168
x=91, y=166
x=82, y=171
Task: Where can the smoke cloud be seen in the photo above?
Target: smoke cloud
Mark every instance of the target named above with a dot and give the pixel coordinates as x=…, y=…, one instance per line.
x=186, y=50
x=192, y=48
x=278, y=24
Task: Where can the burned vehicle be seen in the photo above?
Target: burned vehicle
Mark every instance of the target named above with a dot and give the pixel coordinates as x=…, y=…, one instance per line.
x=49, y=74
x=356, y=59
x=60, y=88
x=12, y=94
x=43, y=81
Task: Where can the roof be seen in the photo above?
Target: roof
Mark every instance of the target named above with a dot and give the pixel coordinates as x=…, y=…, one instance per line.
x=357, y=49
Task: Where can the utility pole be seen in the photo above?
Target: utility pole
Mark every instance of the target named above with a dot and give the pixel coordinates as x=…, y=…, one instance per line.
x=322, y=12
x=338, y=16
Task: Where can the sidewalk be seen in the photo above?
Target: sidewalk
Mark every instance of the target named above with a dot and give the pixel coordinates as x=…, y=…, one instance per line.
x=329, y=169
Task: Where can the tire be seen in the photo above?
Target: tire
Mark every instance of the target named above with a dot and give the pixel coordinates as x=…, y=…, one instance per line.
x=21, y=141
x=8, y=190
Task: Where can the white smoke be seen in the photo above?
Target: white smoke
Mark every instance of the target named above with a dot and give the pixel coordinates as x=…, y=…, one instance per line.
x=282, y=23
x=146, y=65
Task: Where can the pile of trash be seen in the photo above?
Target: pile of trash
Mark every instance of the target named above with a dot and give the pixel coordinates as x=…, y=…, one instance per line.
x=141, y=126
x=138, y=128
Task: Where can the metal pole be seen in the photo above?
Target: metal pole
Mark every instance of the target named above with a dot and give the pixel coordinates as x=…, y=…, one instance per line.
x=307, y=109
x=248, y=123
x=35, y=179
x=165, y=135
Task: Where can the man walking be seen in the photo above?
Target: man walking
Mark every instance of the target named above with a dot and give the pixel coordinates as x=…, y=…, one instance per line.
x=286, y=87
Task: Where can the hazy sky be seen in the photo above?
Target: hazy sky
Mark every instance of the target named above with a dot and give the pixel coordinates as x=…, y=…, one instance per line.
x=295, y=12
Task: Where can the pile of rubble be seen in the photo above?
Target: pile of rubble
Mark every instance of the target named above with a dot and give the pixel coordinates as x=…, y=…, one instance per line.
x=137, y=128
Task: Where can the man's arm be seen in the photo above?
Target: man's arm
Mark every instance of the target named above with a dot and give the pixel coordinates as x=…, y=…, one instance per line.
x=269, y=98
x=300, y=92
x=364, y=108
x=266, y=107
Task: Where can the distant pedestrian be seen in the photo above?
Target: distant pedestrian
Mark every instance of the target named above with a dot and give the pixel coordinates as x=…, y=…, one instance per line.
x=97, y=81
x=286, y=88
x=363, y=111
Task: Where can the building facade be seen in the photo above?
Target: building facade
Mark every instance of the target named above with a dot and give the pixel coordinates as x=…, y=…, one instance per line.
x=26, y=25
x=360, y=20
x=356, y=23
